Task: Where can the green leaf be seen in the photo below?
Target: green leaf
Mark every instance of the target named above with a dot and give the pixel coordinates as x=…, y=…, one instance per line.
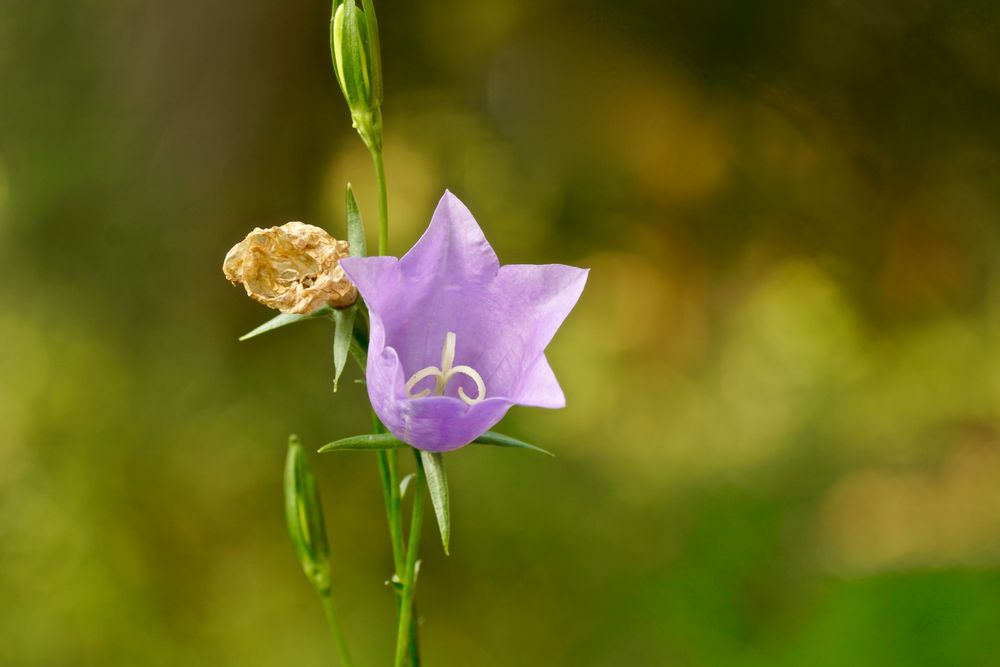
x=355, y=226
x=363, y=443
x=284, y=319
x=500, y=440
x=437, y=484
x=344, y=319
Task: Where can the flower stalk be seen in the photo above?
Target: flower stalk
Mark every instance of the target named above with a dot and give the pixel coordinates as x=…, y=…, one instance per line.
x=383, y=201
x=338, y=634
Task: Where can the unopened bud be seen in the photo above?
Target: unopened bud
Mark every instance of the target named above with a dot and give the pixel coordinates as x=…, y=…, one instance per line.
x=294, y=268
x=304, y=516
x=357, y=63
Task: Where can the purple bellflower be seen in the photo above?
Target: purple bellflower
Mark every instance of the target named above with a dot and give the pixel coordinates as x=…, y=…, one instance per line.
x=456, y=339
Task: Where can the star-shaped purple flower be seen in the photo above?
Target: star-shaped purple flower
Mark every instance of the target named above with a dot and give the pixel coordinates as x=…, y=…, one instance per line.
x=456, y=339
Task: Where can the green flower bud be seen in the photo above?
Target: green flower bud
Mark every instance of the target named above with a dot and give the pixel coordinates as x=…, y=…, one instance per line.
x=304, y=516
x=357, y=63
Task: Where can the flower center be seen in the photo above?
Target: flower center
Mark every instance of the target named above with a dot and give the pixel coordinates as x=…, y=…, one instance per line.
x=445, y=373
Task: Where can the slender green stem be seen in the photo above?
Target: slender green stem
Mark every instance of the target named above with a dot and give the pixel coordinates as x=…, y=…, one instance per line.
x=395, y=500
x=389, y=476
x=395, y=496
x=404, y=630
x=414, y=638
x=390, y=487
x=338, y=636
x=383, y=202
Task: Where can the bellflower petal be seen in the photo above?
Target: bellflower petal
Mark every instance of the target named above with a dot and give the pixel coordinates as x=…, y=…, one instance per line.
x=453, y=248
x=450, y=287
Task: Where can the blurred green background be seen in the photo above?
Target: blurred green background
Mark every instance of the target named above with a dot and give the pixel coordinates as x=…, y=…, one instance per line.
x=782, y=445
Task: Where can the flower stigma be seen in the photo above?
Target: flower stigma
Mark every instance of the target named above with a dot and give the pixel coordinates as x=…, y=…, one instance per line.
x=445, y=373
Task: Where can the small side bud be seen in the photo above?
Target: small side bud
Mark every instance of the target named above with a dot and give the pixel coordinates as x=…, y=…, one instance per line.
x=354, y=47
x=304, y=516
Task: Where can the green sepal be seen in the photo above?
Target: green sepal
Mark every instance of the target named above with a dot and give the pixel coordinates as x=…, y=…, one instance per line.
x=374, y=51
x=375, y=441
x=284, y=319
x=367, y=442
x=343, y=318
x=337, y=44
x=499, y=440
x=356, y=78
x=437, y=484
x=304, y=517
x=355, y=226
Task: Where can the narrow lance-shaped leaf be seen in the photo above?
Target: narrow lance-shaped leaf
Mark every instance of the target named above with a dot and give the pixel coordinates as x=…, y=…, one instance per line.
x=437, y=484
x=355, y=226
x=343, y=318
x=284, y=319
x=500, y=440
x=363, y=443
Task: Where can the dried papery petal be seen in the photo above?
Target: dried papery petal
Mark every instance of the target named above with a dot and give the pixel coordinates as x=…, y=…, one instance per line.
x=294, y=268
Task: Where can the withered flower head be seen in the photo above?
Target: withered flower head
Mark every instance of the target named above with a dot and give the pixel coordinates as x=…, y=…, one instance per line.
x=294, y=268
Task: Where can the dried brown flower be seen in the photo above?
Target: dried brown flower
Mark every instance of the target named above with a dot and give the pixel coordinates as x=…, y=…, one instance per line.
x=294, y=268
